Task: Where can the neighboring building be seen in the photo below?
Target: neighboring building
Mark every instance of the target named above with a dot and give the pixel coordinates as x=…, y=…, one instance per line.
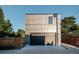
x=43, y=29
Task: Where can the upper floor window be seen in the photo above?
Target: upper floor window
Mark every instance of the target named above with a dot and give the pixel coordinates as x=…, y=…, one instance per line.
x=50, y=20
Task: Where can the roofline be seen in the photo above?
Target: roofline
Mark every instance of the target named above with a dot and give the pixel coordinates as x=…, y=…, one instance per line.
x=41, y=14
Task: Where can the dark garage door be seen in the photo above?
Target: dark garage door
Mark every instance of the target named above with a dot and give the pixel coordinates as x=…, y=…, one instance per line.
x=37, y=40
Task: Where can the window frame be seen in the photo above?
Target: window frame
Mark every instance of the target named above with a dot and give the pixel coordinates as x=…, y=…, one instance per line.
x=50, y=20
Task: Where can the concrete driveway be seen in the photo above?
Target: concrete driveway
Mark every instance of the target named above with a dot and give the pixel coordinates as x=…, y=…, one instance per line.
x=42, y=50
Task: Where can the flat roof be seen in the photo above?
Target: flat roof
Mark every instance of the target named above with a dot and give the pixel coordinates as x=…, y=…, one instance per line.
x=41, y=14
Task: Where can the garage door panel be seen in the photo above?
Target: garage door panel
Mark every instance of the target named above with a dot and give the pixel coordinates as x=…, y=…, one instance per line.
x=37, y=40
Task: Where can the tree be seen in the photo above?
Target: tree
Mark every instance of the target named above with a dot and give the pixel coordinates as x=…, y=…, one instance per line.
x=20, y=33
x=67, y=23
x=69, y=26
x=74, y=27
x=1, y=19
x=1, y=14
x=8, y=26
x=5, y=25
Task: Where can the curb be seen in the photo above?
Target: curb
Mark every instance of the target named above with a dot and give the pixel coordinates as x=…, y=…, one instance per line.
x=68, y=45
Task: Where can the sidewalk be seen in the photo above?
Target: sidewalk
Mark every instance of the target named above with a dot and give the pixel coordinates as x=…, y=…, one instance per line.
x=68, y=45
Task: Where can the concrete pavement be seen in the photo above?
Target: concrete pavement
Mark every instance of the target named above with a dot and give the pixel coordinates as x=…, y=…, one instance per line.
x=42, y=50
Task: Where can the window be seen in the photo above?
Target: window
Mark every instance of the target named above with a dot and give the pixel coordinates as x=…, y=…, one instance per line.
x=50, y=20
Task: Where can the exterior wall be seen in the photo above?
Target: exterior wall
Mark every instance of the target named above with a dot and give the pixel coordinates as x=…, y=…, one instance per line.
x=38, y=23
x=49, y=38
x=59, y=30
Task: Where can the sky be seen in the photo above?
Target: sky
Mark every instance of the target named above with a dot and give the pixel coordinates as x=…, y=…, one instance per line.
x=16, y=13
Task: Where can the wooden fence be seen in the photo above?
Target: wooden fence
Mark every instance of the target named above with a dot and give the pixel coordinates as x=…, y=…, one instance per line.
x=16, y=42
x=69, y=39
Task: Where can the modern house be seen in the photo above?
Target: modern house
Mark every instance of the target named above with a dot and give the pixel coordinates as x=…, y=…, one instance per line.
x=43, y=29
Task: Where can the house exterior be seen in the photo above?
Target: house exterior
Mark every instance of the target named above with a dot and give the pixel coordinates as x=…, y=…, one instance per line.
x=43, y=29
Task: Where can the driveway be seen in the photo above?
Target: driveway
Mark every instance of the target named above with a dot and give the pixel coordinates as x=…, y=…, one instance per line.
x=42, y=50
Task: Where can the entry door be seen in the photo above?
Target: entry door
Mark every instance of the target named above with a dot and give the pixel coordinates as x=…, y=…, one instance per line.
x=37, y=40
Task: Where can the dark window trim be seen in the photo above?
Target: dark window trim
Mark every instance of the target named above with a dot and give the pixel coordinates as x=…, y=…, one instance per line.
x=50, y=20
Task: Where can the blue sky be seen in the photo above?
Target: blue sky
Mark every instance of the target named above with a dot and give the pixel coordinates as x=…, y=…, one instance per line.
x=16, y=13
